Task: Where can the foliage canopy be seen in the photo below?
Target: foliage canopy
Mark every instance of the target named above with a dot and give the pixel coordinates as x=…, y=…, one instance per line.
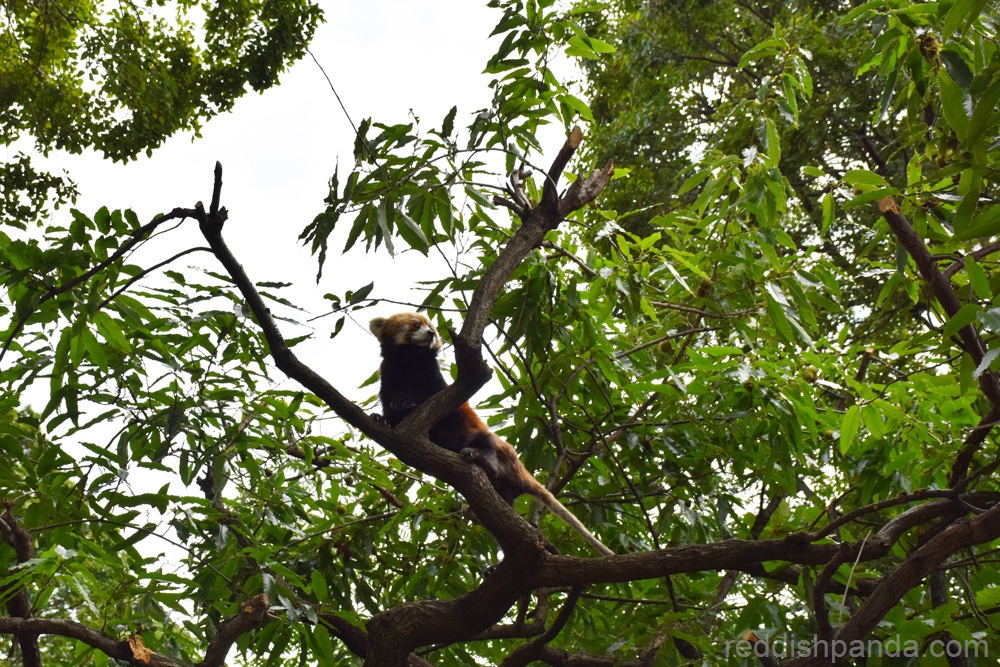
x=120, y=79
x=762, y=364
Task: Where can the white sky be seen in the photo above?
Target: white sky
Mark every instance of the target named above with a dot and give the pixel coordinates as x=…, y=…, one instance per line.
x=279, y=149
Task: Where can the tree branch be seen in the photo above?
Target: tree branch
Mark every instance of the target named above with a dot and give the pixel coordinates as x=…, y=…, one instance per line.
x=571, y=257
x=917, y=566
x=958, y=264
x=250, y=617
x=941, y=288
x=131, y=650
x=527, y=653
x=729, y=554
x=20, y=540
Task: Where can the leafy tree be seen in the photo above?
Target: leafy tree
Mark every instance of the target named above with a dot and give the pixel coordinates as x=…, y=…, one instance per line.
x=120, y=79
x=767, y=382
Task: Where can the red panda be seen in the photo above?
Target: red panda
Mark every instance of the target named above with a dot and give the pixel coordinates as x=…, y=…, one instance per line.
x=410, y=374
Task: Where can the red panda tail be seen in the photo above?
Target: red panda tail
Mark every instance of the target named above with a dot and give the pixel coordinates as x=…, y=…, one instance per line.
x=557, y=508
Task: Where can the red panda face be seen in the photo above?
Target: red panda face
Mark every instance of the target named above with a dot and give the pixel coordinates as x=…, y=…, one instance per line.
x=406, y=329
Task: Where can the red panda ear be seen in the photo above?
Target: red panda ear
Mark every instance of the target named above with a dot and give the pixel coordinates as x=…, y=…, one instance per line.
x=376, y=326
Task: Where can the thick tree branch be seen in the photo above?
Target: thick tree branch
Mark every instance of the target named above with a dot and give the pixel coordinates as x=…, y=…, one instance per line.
x=250, y=617
x=131, y=650
x=730, y=554
x=20, y=540
x=118, y=649
x=941, y=289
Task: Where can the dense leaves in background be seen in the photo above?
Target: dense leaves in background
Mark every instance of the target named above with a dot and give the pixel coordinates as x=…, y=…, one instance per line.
x=732, y=343
x=121, y=78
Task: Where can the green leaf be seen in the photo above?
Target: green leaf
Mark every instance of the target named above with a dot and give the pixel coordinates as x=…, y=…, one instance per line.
x=863, y=177
x=988, y=598
x=322, y=637
x=448, y=126
x=901, y=258
x=384, y=226
x=103, y=220
x=991, y=319
x=111, y=332
x=962, y=12
x=977, y=277
x=985, y=224
x=887, y=90
x=872, y=420
x=983, y=115
x=765, y=49
x=966, y=368
x=694, y=181
x=411, y=232
x=953, y=104
x=964, y=317
x=780, y=320
x=318, y=585
x=577, y=105
x=862, y=9
x=478, y=197
x=94, y=349
x=984, y=365
x=849, y=428
x=828, y=213
x=957, y=68
x=773, y=142
x=360, y=221
x=361, y=294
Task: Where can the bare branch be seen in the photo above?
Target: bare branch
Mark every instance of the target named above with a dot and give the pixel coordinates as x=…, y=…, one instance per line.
x=145, y=272
x=571, y=257
x=902, y=498
x=985, y=251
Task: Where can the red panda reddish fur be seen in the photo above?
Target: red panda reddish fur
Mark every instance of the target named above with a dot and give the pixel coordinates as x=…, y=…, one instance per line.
x=410, y=374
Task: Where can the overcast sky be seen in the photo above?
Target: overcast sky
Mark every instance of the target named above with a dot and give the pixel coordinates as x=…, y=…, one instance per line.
x=278, y=150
